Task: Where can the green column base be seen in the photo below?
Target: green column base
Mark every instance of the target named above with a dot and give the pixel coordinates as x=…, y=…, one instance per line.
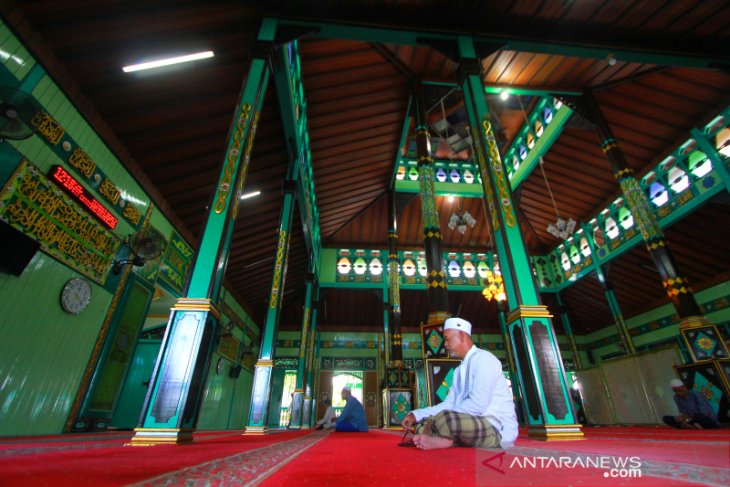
x=161, y=436
x=563, y=432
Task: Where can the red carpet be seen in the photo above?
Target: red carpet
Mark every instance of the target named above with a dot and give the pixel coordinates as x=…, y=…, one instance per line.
x=375, y=459
x=112, y=464
x=369, y=459
x=665, y=457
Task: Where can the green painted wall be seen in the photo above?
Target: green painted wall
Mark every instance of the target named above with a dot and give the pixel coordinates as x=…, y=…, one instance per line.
x=44, y=349
x=225, y=400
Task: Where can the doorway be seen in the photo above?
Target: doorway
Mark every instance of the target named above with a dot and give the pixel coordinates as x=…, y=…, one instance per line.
x=340, y=379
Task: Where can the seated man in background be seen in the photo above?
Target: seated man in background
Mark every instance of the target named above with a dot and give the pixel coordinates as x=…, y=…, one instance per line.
x=352, y=418
x=478, y=411
x=694, y=410
x=328, y=421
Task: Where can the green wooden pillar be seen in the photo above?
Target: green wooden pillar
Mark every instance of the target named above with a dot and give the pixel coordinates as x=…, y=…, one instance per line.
x=676, y=285
x=618, y=318
x=548, y=404
x=310, y=411
x=565, y=318
x=170, y=411
x=511, y=364
x=261, y=394
x=386, y=324
x=393, y=331
x=301, y=383
x=438, y=299
x=613, y=306
x=508, y=349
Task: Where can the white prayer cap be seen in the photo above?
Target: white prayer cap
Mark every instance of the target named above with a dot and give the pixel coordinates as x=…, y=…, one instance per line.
x=676, y=383
x=457, y=324
x=346, y=388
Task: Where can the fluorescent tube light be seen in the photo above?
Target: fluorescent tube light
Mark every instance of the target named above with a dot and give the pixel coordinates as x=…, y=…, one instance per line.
x=250, y=195
x=168, y=61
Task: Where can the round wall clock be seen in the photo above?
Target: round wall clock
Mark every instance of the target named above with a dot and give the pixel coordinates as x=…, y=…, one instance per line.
x=76, y=295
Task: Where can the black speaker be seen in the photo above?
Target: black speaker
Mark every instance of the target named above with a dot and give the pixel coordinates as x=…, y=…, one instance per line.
x=16, y=249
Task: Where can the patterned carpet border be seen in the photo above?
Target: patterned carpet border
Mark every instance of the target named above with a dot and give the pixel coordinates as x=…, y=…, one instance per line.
x=700, y=474
x=247, y=468
x=17, y=452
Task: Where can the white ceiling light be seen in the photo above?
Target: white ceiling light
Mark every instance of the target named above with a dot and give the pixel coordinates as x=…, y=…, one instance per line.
x=250, y=195
x=168, y=61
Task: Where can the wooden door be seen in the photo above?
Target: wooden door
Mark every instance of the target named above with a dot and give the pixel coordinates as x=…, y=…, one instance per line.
x=371, y=397
x=324, y=391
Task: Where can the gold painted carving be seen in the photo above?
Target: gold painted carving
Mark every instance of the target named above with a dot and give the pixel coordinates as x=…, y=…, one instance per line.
x=81, y=161
x=36, y=206
x=486, y=185
x=498, y=174
x=278, y=269
x=305, y=331
x=246, y=160
x=234, y=152
x=132, y=213
x=109, y=191
x=643, y=214
x=48, y=127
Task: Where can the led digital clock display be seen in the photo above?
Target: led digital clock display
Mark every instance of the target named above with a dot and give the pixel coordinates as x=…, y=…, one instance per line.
x=67, y=182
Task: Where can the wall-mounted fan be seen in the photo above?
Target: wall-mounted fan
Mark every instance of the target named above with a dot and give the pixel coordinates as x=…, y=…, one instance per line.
x=145, y=245
x=17, y=109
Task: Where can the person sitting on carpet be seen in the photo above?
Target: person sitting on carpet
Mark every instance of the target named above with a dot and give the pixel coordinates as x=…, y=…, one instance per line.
x=352, y=418
x=328, y=421
x=478, y=411
x=695, y=411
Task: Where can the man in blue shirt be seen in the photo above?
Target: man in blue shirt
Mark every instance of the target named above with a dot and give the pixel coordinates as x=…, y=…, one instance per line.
x=352, y=418
x=695, y=411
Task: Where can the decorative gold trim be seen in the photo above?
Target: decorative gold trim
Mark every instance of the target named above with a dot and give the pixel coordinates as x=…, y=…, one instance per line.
x=437, y=317
x=232, y=159
x=525, y=311
x=197, y=304
x=560, y=432
x=694, y=322
x=255, y=431
x=299, y=390
x=265, y=363
x=161, y=436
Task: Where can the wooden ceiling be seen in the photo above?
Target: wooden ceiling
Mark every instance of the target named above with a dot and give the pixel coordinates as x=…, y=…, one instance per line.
x=170, y=127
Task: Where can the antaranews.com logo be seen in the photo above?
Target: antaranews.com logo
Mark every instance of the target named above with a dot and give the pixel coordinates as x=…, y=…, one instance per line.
x=499, y=466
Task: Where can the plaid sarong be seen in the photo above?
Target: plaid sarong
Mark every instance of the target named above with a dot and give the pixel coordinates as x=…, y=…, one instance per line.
x=464, y=429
